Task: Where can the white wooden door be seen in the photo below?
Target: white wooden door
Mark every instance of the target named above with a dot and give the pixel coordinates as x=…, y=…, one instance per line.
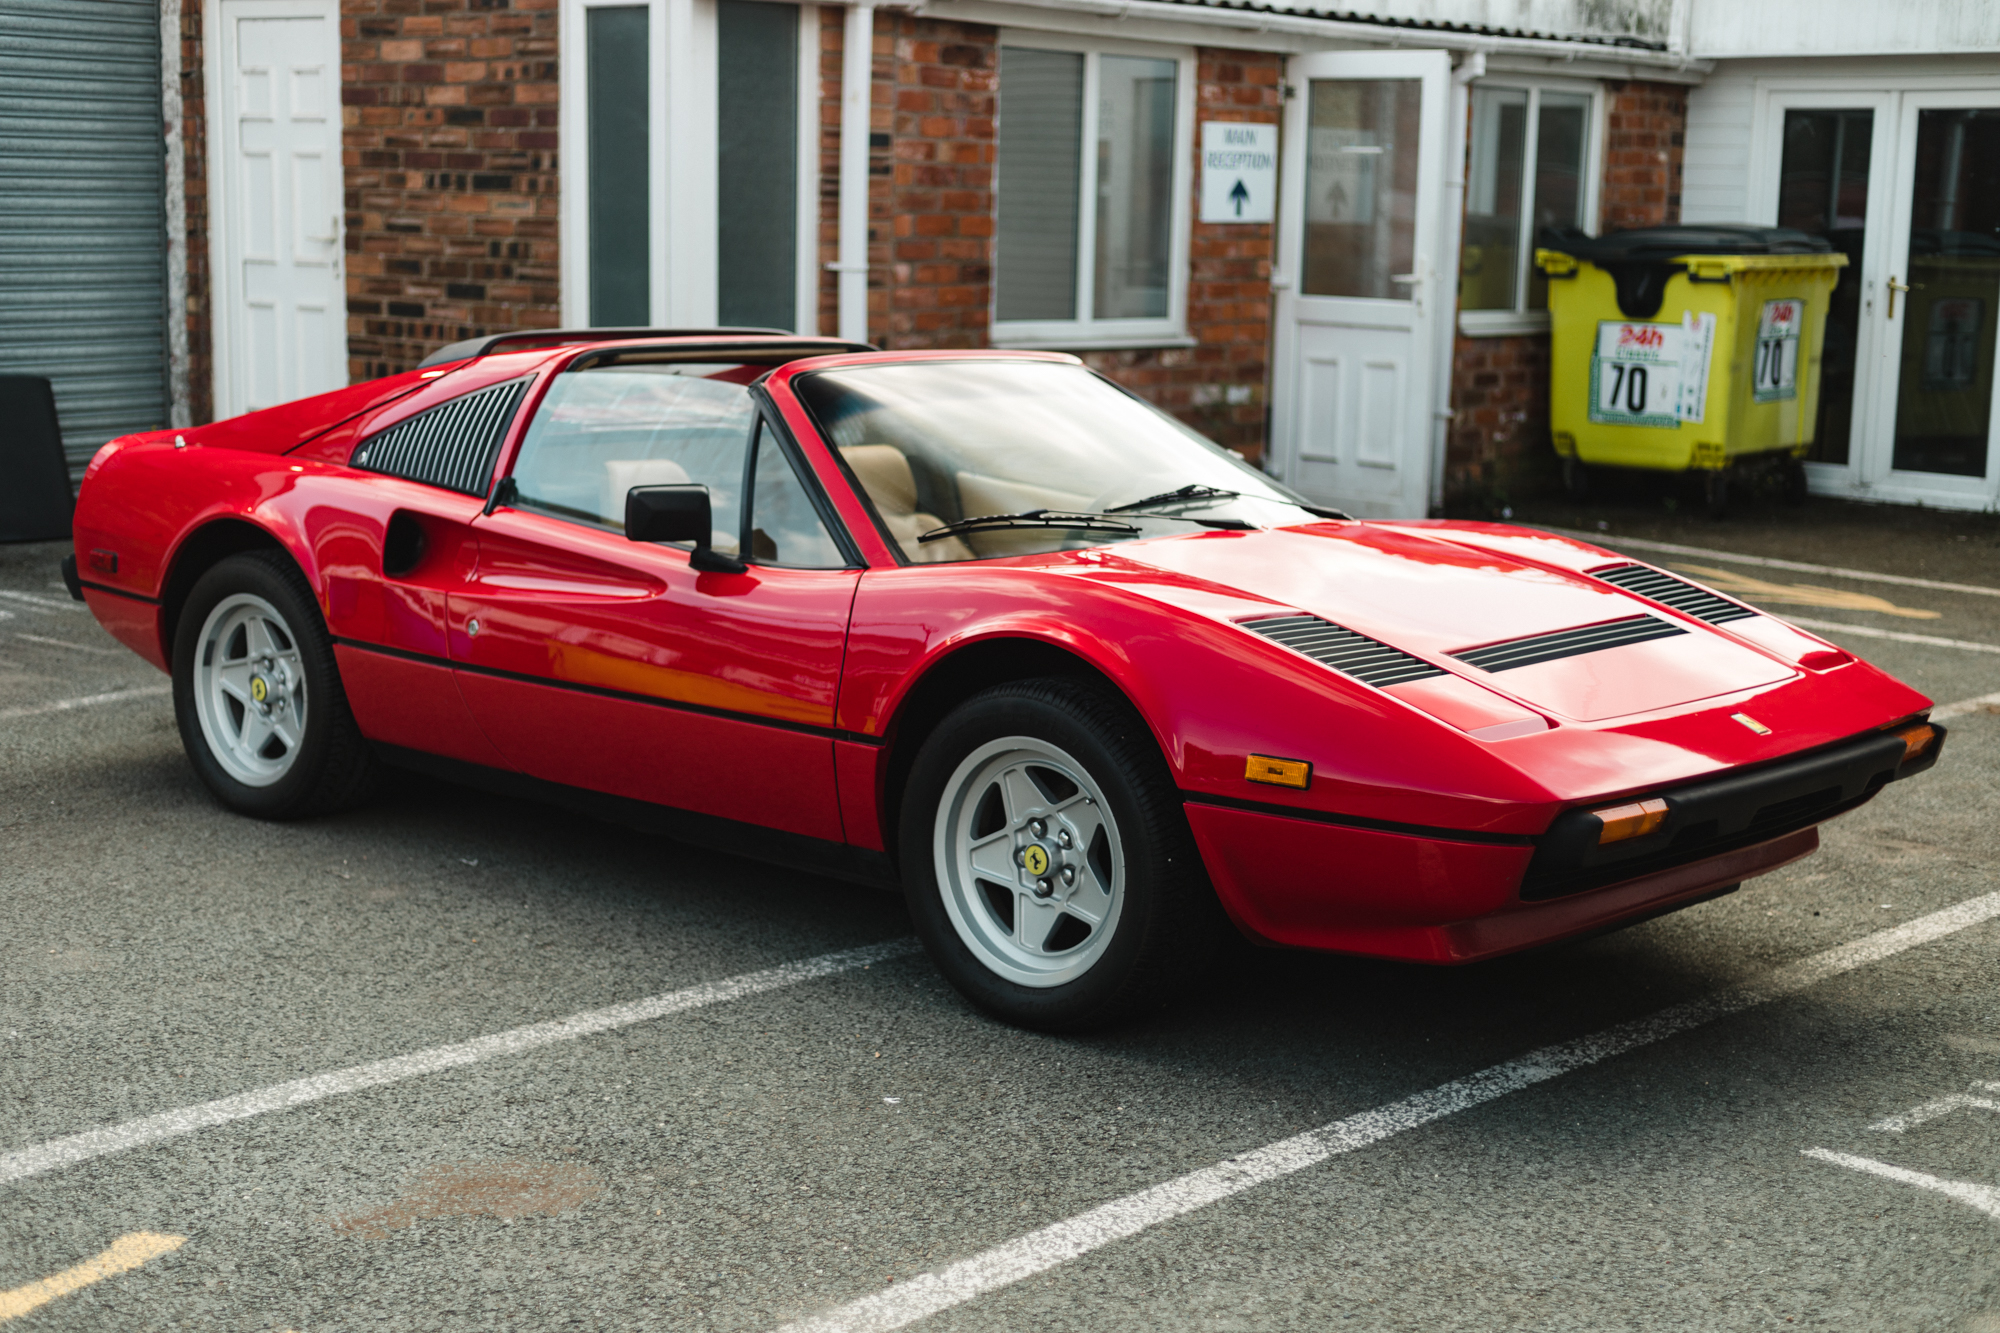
x=281, y=319
x=1359, y=278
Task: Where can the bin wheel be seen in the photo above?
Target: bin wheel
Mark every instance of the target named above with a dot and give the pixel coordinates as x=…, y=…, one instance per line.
x=1715, y=493
x=1792, y=482
x=1576, y=479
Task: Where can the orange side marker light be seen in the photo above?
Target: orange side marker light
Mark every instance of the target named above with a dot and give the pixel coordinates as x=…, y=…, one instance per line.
x=1279, y=772
x=1630, y=821
x=1916, y=739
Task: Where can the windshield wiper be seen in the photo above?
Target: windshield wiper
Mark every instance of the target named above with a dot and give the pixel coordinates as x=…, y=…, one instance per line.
x=1191, y=491
x=1032, y=518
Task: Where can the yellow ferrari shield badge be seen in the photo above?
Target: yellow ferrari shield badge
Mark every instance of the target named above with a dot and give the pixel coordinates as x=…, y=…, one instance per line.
x=1035, y=859
x=258, y=689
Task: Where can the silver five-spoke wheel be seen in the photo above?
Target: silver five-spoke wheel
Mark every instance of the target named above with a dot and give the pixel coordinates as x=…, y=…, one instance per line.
x=1029, y=859
x=250, y=690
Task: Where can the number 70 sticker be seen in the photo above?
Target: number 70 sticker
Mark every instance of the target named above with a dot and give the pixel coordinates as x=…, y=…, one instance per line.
x=1651, y=374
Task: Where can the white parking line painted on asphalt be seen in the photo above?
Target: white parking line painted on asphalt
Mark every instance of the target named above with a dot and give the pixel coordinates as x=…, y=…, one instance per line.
x=1870, y=632
x=126, y=1253
x=79, y=647
x=1964, y=706
x=1983, y=1197
x=76, y=1148
x=1768, y=562
x=1931, y=1110
x=1055, y=1245
x=41, y=603
x=88, y=701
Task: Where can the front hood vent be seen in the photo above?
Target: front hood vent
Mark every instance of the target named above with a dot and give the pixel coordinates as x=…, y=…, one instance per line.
x=1367, y=660
x=1667, y=590
x=1568, y=643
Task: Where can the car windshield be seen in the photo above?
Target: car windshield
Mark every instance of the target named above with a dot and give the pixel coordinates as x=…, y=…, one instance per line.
x=938, y=442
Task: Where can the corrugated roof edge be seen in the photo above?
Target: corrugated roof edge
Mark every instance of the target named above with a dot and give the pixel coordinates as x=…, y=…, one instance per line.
x=528, y=339
x=1625, y=43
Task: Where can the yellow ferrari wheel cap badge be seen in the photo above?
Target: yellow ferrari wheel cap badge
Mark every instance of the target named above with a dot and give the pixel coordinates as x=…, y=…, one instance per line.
x=1035, y=859
x=258, y=689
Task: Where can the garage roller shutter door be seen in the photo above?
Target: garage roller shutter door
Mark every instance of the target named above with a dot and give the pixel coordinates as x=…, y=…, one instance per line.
x=82, y=230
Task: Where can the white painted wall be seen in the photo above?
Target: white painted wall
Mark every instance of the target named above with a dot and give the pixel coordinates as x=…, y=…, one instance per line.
x=1723, y=28
x=1715, y=162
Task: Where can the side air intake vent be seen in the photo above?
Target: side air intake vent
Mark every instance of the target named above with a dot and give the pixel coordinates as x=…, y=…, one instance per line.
x=1681, y=595
x=451, y=445
x=1351, y=654
x=1568, y=643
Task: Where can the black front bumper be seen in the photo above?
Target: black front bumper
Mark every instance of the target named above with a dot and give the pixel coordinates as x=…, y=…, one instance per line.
x=1722, y=814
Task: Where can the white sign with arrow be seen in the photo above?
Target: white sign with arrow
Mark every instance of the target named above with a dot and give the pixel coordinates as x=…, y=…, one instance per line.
x=1239, y=172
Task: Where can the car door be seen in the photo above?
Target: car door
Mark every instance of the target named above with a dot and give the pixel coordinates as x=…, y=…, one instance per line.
x=391, y=535
x=615, y=666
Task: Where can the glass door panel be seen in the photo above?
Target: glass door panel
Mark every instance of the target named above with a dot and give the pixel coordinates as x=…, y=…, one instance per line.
x=1823, y=189
x=1944, y=399
x=1361, y=187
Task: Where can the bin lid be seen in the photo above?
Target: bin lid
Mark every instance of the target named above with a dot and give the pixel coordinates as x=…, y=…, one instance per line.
x=1655, y=243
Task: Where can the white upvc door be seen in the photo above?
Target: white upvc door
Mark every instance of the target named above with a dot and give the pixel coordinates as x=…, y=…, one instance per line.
x=1360, y=283
x=280, y=316
x=1934, y=414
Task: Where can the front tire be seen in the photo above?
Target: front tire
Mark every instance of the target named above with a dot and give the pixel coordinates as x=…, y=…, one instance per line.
x=1047, y=861
x=257, y=694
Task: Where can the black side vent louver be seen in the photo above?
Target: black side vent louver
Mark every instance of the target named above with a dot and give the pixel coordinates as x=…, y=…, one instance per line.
x=1568, y=643
x=451, y=445
x=1351, y=654
x=1681, y=595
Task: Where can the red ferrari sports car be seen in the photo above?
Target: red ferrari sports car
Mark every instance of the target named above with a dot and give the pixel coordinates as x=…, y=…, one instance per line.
x=981, y=624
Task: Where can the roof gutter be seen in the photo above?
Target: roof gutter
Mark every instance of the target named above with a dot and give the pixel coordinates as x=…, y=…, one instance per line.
x=1374, y=34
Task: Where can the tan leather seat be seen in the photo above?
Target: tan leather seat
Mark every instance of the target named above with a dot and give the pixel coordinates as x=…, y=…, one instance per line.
x=885, y=474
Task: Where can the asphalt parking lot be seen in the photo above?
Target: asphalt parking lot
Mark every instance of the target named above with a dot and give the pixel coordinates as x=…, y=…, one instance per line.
x=311, y=1077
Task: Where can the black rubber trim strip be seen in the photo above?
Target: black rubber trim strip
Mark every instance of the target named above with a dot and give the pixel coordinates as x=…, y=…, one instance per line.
x=730, y=715
x=1361, y=822
x=119, y=592
x=796, y=851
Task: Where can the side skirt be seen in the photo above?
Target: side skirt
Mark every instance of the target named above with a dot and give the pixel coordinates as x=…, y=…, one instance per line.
x=857, y=865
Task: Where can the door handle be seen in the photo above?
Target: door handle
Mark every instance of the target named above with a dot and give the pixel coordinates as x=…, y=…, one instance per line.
x=1894, y=287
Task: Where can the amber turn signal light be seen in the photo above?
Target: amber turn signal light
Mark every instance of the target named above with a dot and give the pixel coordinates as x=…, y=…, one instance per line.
x=1916, y=739
x=1630, y=821
x=1279, y=772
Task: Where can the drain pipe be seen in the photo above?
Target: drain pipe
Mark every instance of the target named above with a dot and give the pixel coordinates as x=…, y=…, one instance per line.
x=1457, y=113
x=857, y=75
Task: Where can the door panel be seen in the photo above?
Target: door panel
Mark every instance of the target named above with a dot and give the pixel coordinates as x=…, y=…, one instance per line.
x=283, y=324
x=614, y=666
x=1359, y=227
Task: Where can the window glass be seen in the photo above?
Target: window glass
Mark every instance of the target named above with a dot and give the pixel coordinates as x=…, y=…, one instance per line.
x=933, y=443
x=615, y=114
x=1562, y=129
x=1135, y=182
x=1041, y=161
x=1823, y=189
x=1490, y=259
x=757, y=158
x=785, y=528
x=1361, y=187
x=599, y=432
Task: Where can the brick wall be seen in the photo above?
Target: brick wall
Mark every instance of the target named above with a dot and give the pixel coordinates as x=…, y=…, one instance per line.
x=1219, y=385
x=449, y=144
x=194, y=148
x=1645, y=130
x=931, y=219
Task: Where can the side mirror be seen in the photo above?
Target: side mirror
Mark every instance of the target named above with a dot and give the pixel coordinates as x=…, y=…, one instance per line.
x=677, y=514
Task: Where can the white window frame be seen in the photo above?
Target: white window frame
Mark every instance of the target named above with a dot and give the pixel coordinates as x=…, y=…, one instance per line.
x=1085, y=332
x=1519, y=320
x=681, y=161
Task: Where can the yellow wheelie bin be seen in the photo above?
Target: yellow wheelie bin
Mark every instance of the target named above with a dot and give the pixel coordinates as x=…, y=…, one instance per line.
x=1686, y=349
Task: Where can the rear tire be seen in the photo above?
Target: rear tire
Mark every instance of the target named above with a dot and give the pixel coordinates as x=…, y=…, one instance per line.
x=257, y=694
x=1576, y=480
x=1048, y=863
